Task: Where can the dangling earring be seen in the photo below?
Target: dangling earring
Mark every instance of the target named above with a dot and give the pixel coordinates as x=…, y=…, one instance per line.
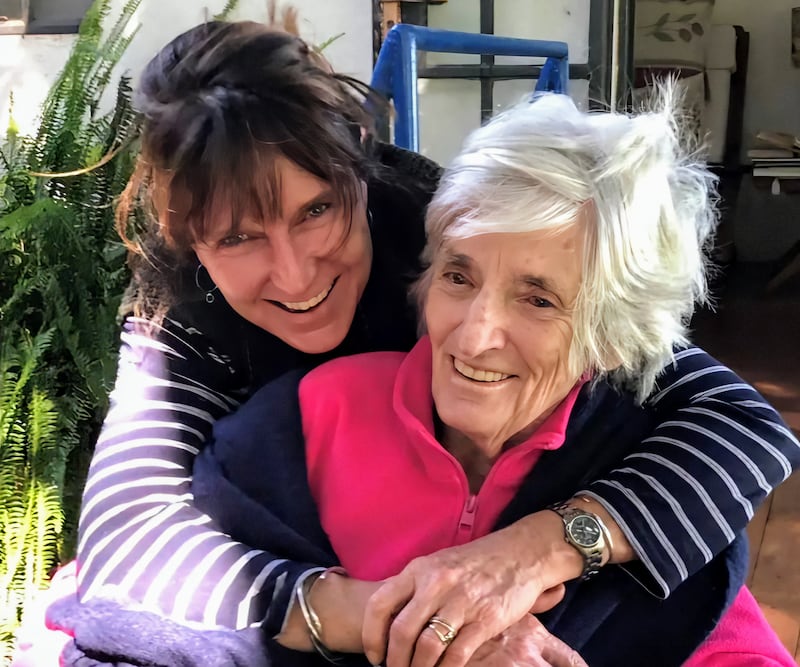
x=209, y=292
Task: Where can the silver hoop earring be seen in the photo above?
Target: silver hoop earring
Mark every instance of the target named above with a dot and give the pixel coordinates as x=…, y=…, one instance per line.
x=209, y=292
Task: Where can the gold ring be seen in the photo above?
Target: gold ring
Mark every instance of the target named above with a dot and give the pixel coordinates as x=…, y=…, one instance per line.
x=448, y=635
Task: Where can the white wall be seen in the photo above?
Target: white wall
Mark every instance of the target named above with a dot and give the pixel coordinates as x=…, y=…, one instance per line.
x=29, y=64
x=449, y=109
x=773, y=83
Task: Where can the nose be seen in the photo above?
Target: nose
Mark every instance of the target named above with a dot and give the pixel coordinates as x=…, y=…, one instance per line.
x=293, y=269
x=483, y=327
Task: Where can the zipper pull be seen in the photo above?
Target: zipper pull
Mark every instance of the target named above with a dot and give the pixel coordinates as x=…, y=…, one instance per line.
x=467, y=520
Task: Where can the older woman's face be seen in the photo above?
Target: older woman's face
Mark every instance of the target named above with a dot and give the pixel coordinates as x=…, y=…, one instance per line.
x=499, y=316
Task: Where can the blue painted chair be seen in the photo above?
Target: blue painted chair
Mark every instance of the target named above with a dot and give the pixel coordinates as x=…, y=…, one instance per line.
x=395, y=74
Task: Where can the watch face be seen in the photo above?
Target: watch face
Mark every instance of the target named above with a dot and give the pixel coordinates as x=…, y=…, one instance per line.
x=584, y=531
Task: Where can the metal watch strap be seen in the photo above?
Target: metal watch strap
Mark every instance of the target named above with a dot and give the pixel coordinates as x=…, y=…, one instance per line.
x=592, y=558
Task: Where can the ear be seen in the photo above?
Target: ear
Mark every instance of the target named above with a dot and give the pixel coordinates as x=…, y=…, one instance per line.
x=611, y=361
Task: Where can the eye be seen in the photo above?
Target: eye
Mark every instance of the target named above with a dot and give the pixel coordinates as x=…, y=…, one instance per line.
x=317, y=210
x=233, y=240
x=539, y=302
x=455, y=278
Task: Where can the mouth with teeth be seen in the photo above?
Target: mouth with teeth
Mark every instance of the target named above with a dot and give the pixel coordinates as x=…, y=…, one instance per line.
x=478, y=374
x=305, y=306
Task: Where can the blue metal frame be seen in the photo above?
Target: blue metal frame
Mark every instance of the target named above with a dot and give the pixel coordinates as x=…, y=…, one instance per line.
x=395, y=73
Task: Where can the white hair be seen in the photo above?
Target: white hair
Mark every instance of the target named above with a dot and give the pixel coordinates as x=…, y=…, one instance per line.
x=652, y=208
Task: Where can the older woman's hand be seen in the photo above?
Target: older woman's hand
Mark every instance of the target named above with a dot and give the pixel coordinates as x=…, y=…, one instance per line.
x=480, y=589
x=527, y=643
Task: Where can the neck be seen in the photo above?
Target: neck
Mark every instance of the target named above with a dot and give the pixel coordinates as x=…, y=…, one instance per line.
x=477, y=455
x=475, y=461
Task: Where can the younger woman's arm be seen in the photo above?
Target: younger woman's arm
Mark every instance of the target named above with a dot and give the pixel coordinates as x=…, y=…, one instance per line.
x=683, y=495
x=142, y=541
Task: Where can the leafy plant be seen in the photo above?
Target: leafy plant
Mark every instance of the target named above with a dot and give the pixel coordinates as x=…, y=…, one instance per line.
x=61, y=278
x=229, y=7
x=60, y=283
x=319, y=48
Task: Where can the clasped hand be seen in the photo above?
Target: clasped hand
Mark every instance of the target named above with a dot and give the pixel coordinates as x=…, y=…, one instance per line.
x=485, y=590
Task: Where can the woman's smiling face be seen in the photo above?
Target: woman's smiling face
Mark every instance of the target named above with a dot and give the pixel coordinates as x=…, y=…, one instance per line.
x=299, y=276
x=499, y=316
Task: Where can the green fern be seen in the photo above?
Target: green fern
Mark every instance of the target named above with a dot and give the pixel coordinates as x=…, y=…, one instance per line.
x=61, y=277
x=60, y=283
x=30, y=475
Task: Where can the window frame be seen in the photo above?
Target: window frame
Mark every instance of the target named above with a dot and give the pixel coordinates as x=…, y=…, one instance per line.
x=46, y=17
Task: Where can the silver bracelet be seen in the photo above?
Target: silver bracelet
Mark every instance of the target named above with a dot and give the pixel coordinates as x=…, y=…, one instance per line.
x=314, y=625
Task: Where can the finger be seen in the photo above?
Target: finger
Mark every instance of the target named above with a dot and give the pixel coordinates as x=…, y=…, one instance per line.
x=379, y=615
x=558, y=654
x=535, y=660
x=548, y=599
x=428, y=647
x=407, y=627
x=467, y=641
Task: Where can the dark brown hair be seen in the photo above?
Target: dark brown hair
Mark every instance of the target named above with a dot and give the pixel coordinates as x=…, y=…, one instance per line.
x=219, y=104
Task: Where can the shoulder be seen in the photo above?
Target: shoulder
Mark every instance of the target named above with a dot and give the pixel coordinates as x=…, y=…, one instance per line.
x=346, y=397
x=399, y=194
x=276, y=403
x=185, y=351
x=172, y=340
x=414, y=170
x=604, y=412
x=692, y=372
x=401, y=187
x=222, y=337
x=169, y=368
x=370, y=368
x=355, y=379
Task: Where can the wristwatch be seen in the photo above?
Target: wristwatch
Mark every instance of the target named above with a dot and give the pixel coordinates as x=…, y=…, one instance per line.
x=586, y=532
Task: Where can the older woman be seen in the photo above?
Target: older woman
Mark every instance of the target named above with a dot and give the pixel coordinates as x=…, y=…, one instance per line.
x=564, y=259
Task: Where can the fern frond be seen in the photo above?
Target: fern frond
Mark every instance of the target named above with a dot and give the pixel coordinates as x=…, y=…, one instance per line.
x=61, y=277
x=16, y=368
x=224, y=15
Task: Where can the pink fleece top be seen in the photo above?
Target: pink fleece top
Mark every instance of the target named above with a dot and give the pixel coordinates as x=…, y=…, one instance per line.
x=386, y=489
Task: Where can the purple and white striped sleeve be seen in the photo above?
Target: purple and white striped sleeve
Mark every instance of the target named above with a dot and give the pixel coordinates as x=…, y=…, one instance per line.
x=684, y=494
x=141, y=540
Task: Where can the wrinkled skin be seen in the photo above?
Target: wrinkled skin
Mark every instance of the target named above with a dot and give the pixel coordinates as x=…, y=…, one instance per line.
x=481, y=588
x=526, y=644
